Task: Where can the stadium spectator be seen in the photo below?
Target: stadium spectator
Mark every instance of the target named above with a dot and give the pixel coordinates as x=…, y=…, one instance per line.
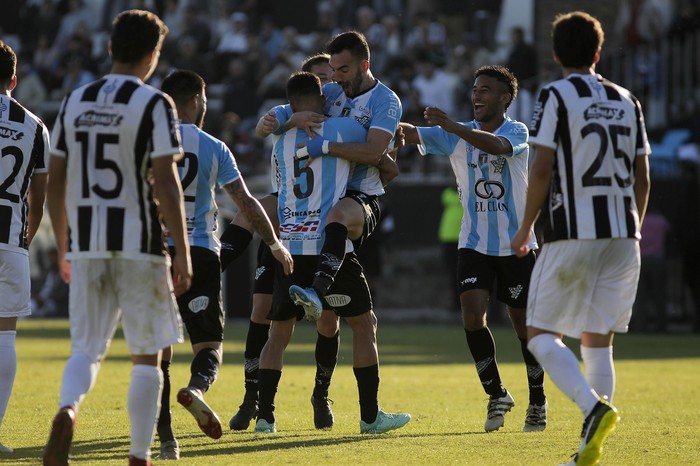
x=585, y=280
x=435, y=86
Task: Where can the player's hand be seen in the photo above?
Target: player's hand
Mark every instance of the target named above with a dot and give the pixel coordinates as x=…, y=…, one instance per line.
x=64, y=269
x=285, y=258
x=399, y=140
x=182, y=273
x=519, y=243
x=436, y=117
x=269, y=123
x=307, y=121
x=314, y=148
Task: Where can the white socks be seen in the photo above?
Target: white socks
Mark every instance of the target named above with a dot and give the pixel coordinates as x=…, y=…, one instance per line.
x=600, y=370
x=143, y=403
x=8, y=368
x=564, y=369
x=79, y=377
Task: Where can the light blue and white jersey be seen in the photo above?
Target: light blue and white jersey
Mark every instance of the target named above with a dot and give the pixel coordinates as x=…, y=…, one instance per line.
x=208, y=163
x=378, y=107
x=492, y=188
x=307, y=193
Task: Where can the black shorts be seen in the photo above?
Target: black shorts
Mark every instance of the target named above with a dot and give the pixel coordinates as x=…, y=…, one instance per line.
x=200, y=306
x=372, y=211
x=478, y=271
x=264, y=270
x=348, y=296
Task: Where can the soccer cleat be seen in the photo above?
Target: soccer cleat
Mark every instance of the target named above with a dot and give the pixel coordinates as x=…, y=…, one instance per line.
x=169, y=450
x=4, y=449
x=134, y=461
x=247, y=411
x=384, y=423
x=323, y=416
x=191, y=399
x=264, y=427
x=308, y=299
x=536, y=418
x=496, y=411
x=58, y=447
x=598, y=424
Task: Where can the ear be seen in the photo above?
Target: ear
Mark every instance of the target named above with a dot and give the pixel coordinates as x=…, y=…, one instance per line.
x=109, y=47
x=556, y=59
x=365, y=65
x=13, y=83
x=596, y=57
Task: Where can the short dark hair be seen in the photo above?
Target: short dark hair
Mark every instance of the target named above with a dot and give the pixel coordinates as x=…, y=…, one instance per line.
x=354, y=41
x=303, y=84
x=8, y=63
x=503, y=75
x=182, y=85
x=135, y=34
x=315, y=60
x=576, y=37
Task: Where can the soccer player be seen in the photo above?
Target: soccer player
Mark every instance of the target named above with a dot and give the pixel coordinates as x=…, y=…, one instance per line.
x=24, y=146
x=358, y=95
x=116, y=134
x=307, y=192
x=591, y=177
x=207, y=163
x=489, y=156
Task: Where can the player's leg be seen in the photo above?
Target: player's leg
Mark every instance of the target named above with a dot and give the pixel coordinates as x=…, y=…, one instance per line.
x=8, y=365
x=476, y=273
x=169, y=446
x=258, y=330
x=327, y=346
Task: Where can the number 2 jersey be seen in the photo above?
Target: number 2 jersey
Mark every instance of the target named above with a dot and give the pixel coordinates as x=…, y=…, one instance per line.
x=108, y=131
x=24, y=150
x=597, y=130
x=307, y=193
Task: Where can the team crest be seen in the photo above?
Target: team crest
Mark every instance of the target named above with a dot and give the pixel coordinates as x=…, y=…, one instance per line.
x=198, y=304
x=498, y=164
x=515, y=291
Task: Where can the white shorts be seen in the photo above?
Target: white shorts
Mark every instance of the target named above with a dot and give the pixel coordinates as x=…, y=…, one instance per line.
x=139, y=292
x=15, y=284
x=584, y=286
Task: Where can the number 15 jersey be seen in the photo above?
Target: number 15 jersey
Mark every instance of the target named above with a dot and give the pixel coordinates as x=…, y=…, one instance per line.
x=597, y=130
x=108, y=131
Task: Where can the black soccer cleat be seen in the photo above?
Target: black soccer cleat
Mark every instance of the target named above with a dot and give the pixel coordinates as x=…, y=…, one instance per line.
x=246, y=413
x=323, y=416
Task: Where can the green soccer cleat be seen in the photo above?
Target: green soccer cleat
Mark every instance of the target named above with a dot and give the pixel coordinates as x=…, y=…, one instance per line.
x=264, y=427
x=384, y=423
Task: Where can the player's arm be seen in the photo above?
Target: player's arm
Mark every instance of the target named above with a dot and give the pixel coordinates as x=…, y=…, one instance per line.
x=267, y=124
x=641, y=185
x=251, y=208
x=388, y=168
x=369, y=152
x=482, y=140
x=56, y=204
x=410, y=133
x=172, y=208
x=538, y=187
x=36, y=199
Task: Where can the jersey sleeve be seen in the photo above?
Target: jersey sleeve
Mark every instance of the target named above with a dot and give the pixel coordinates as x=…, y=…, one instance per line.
x=642, y=143
x=387, y=114
x=516, y=133
x=228, y=169
x=58, y=135
x=543, y=128
x=283, y=113
x=435, y=140
x=42, y=149
x=166, y=133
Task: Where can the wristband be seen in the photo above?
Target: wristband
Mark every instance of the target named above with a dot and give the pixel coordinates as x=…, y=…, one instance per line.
x=276, y=246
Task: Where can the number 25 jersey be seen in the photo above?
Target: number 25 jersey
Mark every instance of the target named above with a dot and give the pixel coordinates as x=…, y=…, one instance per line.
x=108, y=131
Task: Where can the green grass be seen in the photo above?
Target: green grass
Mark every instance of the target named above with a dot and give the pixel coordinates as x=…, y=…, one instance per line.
x=425, y=370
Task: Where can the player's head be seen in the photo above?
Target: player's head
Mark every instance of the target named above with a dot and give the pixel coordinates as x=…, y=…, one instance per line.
x=349, y=61
x=319, y=65
x=304, y=92
x=8, y=67
x=137, y=34
x=577, y=38
x=495, y=87
x=188, y=91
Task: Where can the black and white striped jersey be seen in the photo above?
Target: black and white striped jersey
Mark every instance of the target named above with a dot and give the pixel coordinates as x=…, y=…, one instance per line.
x=597, y=130
x=109, y=131
x=24, y=150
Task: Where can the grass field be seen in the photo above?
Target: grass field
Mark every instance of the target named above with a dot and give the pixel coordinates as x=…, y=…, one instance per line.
x=425, y=370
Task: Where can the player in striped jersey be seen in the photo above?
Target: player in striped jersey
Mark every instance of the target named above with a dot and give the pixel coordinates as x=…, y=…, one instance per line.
x=208, y=163
x=24, y=146
x=591, y=177
x=489, y=156
x=116, y=134
x=307, y=192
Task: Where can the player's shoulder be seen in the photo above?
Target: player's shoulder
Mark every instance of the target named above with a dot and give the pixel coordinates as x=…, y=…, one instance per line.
x=332, y=90
x=30, y=115
x=513, y=126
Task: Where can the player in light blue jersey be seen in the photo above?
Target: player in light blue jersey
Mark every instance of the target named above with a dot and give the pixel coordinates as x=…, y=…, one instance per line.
x=307, y=192
x=207, y=164
x=489, y=156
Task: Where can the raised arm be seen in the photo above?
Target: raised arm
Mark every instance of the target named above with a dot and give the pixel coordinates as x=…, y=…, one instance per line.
x=482, y=140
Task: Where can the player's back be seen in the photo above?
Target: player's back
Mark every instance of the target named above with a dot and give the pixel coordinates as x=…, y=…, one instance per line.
x=23, y=151
x=108, y=131
x=597, y=129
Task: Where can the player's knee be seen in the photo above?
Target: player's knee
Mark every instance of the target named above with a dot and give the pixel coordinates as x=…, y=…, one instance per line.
x=328, y=325
x=473, y=320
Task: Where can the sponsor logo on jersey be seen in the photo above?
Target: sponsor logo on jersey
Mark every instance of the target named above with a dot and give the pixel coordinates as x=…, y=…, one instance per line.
x=9, y=133
x=338, y=300
x=537, y=114
x=198, y=304
x=289, y=213
x=309, y=226
x=489, y=189
x=92, y=118
x=598, y=110
x=515, y=291
x=259, y=271
x=468, y=280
